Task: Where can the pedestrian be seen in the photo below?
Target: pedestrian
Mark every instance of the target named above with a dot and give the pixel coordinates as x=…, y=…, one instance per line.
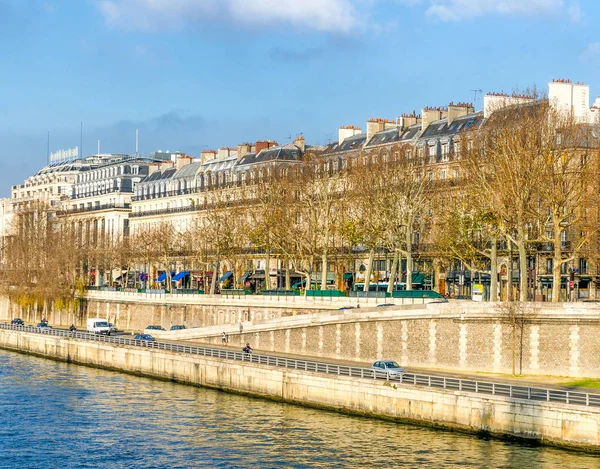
x=247, y=348
x=223, y=338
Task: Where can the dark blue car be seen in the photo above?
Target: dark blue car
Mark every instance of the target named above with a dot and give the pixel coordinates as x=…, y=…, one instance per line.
x=146, y=337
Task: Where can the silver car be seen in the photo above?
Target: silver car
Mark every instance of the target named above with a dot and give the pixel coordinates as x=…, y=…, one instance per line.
x=388, y=366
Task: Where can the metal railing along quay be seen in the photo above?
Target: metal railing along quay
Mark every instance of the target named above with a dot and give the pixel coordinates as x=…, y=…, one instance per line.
x=413, y=379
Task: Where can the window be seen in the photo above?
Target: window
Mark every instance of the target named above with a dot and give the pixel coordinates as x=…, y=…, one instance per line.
x=443, y=175
x=432, y=150
x=379, y=265
x=583, y=266
x=445, y=147
x=549, y=265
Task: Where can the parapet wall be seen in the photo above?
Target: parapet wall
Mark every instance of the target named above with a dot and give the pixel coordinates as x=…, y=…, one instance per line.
x=550, y=423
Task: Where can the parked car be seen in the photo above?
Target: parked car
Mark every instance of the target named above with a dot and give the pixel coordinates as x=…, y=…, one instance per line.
x=389, y=366
x=156, y=328
x=146, y=337
x=345, y=307
x=178, y=327
x=17, y=322
x=44, y=325
x=112, y=327
x=385, y=305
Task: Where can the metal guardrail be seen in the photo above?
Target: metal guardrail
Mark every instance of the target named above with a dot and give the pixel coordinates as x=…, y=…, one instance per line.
x=413, y=379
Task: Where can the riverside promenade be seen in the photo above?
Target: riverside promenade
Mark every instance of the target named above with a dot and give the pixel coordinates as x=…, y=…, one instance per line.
x=548, y=416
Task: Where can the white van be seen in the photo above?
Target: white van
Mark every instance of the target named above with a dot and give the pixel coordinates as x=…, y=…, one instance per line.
x=98, y=326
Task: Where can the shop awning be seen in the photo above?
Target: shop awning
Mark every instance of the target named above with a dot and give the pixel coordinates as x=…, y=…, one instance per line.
x=225, y=276
x=180, y=275
x=347, y=276
x=417, y=278
x=162, y=277
x=243, y=278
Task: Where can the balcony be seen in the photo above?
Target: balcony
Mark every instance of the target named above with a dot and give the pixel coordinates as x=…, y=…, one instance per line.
x=95, y=208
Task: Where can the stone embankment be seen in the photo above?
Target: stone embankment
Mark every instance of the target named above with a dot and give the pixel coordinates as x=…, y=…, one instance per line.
x=558, y=340
x=549, y=423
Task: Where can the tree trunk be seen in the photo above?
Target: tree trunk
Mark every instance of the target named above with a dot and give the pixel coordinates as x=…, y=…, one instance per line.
x=409, y=266
x=494, y=270
x=268, y=270
x=556, y=263
x=369, y=269
x=308, y=282
x=393, y=271
x=324, y=270
x=213, y=283
x=522, y=264
x=288, y=282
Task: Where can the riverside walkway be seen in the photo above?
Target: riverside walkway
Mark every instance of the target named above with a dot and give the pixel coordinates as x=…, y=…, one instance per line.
x=447, y=381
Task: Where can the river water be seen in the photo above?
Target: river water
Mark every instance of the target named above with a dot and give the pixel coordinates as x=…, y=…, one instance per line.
x=56, y=415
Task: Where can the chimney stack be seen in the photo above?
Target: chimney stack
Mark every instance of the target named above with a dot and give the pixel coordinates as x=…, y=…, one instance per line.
x=459, y=110
x=406, y=120
x=347, y=131
x=378, y=124
x=243, y=150
x=264, y=145
x=432, y=114
x=300, y=142
x=207, y=155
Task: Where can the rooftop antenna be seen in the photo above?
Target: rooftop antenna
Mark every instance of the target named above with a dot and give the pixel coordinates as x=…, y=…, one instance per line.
x=290, y=137
x=81, y=141
x=98, y=147
x=475, y=95
x=329, y=137
x=137, y=141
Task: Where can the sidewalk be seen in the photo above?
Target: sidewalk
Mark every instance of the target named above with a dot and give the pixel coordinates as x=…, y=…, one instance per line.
x=553, y=382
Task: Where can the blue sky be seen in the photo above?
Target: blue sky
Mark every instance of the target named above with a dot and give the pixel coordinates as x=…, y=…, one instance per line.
x=194, y=74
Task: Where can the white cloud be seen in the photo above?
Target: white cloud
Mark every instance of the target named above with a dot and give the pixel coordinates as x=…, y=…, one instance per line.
x=591, y=53
x=456, y=10
x=337, y=16
x=575, y=13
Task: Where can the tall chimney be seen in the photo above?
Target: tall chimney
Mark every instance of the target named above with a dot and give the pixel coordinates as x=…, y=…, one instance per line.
x=459, y=110
x=300, y=142
x=243, y=150
x=432, y=114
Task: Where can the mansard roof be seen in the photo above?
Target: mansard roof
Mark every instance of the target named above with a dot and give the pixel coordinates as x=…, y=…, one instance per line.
x=440, y=129
x=159, y=175
x=289, y=152
x=188, y=171
x=356, y=142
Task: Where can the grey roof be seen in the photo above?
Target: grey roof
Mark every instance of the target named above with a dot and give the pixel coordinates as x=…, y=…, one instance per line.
x=160, y=175
x=439, y=129
x=217, y=165
x=188, y=171
x=289, y=152
x=355, y=142
x=385, y=137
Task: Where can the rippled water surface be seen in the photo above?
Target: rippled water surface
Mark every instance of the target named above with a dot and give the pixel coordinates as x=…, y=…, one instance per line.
x=55, y=415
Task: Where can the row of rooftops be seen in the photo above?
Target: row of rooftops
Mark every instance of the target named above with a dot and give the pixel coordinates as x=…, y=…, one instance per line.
x=434, y=123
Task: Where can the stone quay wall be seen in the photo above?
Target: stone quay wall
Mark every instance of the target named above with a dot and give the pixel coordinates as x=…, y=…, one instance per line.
x=559, y=340
x=548, y=423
